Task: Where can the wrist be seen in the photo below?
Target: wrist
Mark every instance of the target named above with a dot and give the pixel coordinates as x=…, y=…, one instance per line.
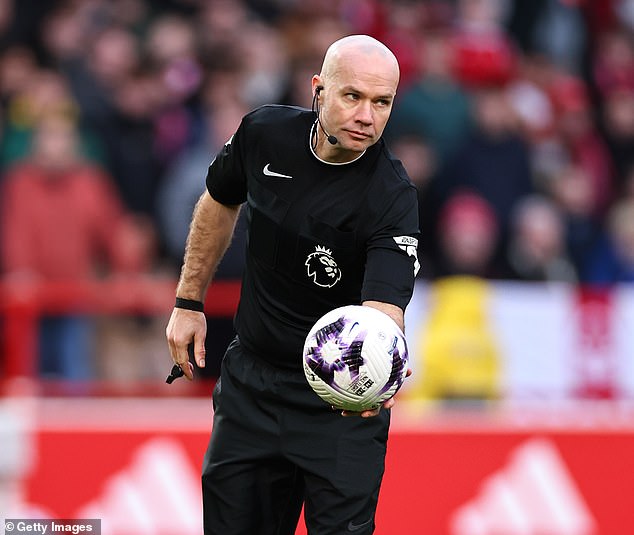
x=189, y=304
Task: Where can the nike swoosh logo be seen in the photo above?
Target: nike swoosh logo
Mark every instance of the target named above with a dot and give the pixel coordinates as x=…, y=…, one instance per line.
x=356, y=527
x=268, y=172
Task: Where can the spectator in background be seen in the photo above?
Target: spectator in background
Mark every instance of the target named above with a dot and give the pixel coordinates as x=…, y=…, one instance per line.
x=613, y=258
x=580, y=137
x=624, y=12
x=484, y=53
x=612, y=66
x=118, y=98
x=309, y=26
x=175, y=75
x=26, y=92
x=494, y=161
x=554, y=29
x=95, y=73
x=435, y=108
x=295, y=93
x=618, y=127
x=529, y=100
x=181, y=184
x=218, y=23
x=570, y=187
x=265, y=65
x=17, y=66
x=44, y=90
x=134, y=161
x=467, y=237
x=537, y=247
x=62, y=220
x=560, y=34
x=402, y=25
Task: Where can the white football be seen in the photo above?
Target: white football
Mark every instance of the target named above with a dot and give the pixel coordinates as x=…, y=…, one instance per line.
x=355, y=357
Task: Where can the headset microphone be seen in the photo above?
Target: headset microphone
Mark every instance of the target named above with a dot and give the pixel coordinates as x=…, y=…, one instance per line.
x=331, y=139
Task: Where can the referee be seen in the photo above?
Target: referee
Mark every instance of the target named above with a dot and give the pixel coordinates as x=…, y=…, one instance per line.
x=332, y=221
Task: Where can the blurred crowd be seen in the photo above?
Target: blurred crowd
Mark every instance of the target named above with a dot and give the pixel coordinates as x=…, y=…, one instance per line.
x=515, y=119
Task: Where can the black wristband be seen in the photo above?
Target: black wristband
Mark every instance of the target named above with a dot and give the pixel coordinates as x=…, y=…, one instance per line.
x=189, y=304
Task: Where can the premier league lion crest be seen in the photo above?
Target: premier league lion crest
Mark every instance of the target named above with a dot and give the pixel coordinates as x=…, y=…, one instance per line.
x=322, y=267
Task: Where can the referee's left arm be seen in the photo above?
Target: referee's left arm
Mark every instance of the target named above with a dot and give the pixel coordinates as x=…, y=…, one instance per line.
x=210, y=233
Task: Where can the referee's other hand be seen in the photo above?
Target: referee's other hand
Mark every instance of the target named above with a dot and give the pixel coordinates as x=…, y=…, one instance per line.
x=374, y=412
x=186, y=327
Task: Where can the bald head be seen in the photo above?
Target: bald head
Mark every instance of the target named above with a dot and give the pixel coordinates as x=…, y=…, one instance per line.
x=354, y=93
x=362, y=49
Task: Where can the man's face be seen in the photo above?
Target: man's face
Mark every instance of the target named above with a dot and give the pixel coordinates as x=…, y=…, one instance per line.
x=357, y=101
x=55, y=143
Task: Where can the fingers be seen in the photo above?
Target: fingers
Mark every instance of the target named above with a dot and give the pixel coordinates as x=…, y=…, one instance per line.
x=389, y=403
x=178, y=348
x=370, y=413
x=188, y=370
x=184, y=328
x=199, y=351
x=364, y=414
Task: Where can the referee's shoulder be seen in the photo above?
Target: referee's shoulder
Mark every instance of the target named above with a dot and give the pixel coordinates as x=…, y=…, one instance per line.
x=395, y=166
x=271, y=115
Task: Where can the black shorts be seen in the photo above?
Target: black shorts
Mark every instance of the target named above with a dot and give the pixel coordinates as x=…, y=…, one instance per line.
x=275, y=446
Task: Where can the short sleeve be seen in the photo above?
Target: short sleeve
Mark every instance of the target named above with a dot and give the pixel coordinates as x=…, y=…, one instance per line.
x=226, y=178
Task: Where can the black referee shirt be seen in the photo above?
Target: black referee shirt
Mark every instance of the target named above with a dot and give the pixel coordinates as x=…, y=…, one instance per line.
x=320, y=235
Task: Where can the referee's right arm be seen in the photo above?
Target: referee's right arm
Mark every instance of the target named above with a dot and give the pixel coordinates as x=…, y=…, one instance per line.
x=209, y=237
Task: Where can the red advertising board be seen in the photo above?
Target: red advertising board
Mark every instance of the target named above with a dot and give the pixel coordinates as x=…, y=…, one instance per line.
x=455, y=475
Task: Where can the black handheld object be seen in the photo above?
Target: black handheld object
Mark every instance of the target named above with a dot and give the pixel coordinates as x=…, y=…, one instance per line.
x=175, y=373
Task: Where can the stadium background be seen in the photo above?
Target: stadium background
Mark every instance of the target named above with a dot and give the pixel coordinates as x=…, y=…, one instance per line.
x=516, y=121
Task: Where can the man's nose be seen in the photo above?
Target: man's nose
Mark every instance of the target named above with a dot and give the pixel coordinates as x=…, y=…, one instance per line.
x=365, y=113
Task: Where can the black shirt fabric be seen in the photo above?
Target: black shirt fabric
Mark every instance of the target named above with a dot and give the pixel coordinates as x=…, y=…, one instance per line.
x=320, y=235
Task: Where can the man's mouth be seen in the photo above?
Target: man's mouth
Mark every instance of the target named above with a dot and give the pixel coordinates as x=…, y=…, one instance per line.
x=358, y=135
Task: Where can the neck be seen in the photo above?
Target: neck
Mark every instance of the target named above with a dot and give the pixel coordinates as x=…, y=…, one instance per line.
x=326, y=151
